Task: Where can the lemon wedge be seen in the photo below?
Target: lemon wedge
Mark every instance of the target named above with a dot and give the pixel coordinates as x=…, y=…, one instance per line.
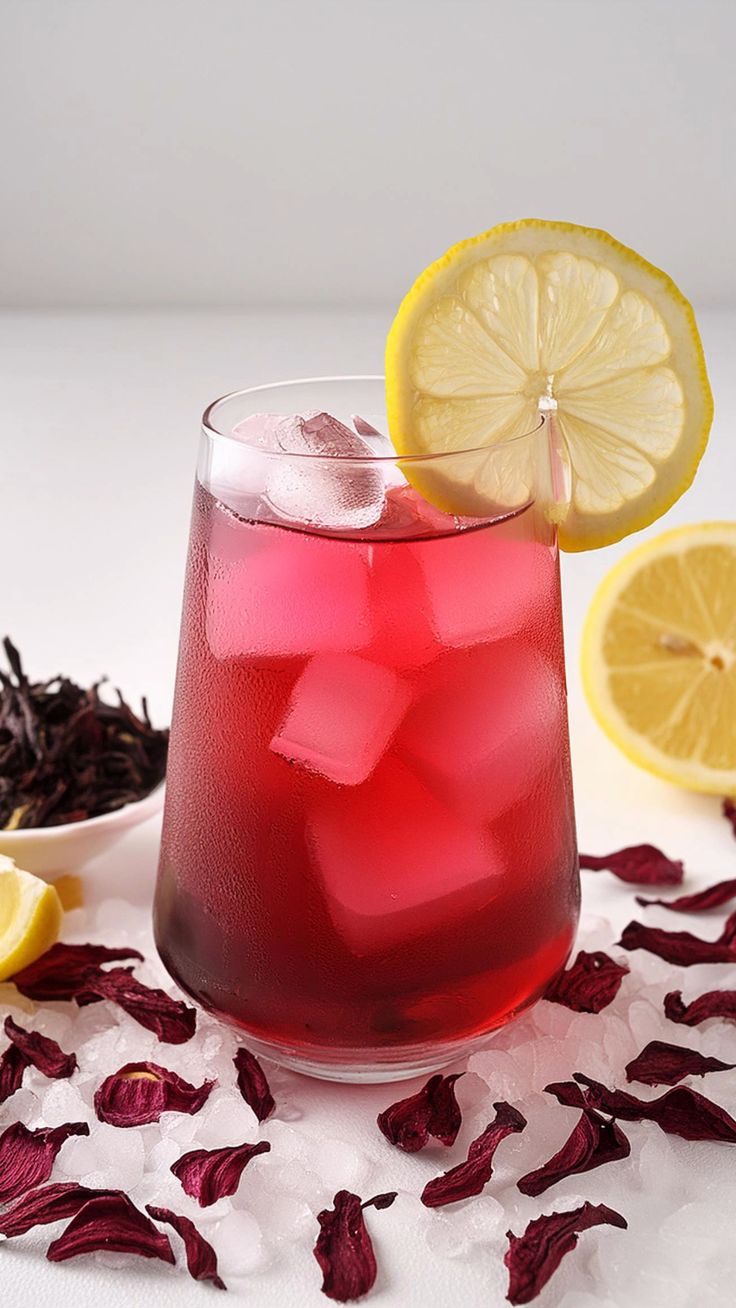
x=659, y=656
x=30, y=918
x=539, y=317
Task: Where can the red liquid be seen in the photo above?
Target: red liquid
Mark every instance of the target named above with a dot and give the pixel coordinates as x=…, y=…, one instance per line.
x=368, y=851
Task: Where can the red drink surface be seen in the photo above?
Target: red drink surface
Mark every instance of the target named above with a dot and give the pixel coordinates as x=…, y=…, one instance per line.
x=369, y=841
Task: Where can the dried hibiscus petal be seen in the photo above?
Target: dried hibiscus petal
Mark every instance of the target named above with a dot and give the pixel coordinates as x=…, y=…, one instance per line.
x=140, y=1092
x=211, y=1174
x=729, y=812
x=13, y=1065
x=432, y=1111
x=641, y=865
x=678, y=947
x=253, y=1084
x=533, y=1257
x=61, y=972
x=344, y=1249
x=468, y=1178
x=663, y=1064
x=27, y=1157
x=45, y=1055
x=172, y=1020
x=680, y=1111
x=712, y=897
x=590, y=985
x=592, y=1143
x=201, y=1257
x=714, y=1003
x=49, y=1203
x=111, y=1222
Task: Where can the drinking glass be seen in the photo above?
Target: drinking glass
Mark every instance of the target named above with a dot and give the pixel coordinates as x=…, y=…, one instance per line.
x=368, y=859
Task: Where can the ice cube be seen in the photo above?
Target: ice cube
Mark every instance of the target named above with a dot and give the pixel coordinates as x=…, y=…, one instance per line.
x=492, y=721
x=485, y=585
x=323, y=491
x=402, y=635
x=342, y=714
x=283, y=593
x=396, y=862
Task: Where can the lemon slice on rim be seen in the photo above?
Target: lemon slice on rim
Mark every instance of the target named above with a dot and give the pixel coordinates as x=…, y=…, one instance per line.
x=30, y=918
x=538, y=316
x=659, y=656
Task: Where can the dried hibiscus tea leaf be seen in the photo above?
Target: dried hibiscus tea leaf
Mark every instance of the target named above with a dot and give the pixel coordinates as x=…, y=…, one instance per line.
x=592, y=1143
x=590, y=985
x=469, y=1178
x=201, y=1257
x=45, y=1054
x=171, y=1020
x=663, y=1064
x=680, y=1111
x=253, y=1084
x=61, y=972
x=678, y=947
x=27, y=1157
x=113, y=1223
x=729, y=812
x=714, y=1003
x=140, y=1092
x=641, y=865
x=344, y=1249
x=432, y=1111
x=211, y=1174
x=49, y=1203
x=13, y=1066
x=712, y=897
x=532, y=1258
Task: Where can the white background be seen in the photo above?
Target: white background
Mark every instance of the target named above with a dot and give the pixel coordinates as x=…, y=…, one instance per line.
x=253, y=152
x=200, y=196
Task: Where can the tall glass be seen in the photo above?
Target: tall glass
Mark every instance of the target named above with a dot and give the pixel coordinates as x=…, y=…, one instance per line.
x=368, y=859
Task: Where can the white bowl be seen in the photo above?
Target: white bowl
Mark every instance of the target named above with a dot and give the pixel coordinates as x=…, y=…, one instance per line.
x=51, y=851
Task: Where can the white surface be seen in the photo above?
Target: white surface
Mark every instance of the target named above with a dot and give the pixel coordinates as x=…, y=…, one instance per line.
x=99, y=421
x=242, y=152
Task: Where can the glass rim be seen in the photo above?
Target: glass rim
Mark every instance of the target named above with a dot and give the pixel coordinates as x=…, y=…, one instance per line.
x=212, y=431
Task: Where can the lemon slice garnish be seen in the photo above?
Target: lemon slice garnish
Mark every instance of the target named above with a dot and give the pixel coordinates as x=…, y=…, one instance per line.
x=659, y=656
x=534, y=317
x=30, y=918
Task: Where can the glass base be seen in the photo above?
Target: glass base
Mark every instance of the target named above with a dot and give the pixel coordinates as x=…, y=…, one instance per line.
x=369, y=1067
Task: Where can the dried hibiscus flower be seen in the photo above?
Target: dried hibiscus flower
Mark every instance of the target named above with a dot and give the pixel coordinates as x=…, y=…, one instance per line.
x=680, y=947
x=211, y=1174
x=714, y=1003
x=201, y=1257
x=641, y=865
x=45, y=1055
x=344, y=1249
x=680, y=1111
x=61, y=972
x=27, y=1157
x=432, y=1111
x=663, y=1064
x=253, y=1084
x=589, y=985
x=171, y=1020
x=533, y=1257
x=49, y=1203
x=593, y=1142
x=110, y=1222
x=13, y=1065
x=469, y=1178
x=712, y=897
x=729, y=812
x=140, y=1092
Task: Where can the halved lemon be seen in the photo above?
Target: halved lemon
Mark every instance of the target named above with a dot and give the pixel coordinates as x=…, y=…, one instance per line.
x=550, y=317
x=30, y=918
x=659, y=656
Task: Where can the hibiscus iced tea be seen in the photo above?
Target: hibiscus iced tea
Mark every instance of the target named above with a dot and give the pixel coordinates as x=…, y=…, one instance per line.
x=368, y=859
